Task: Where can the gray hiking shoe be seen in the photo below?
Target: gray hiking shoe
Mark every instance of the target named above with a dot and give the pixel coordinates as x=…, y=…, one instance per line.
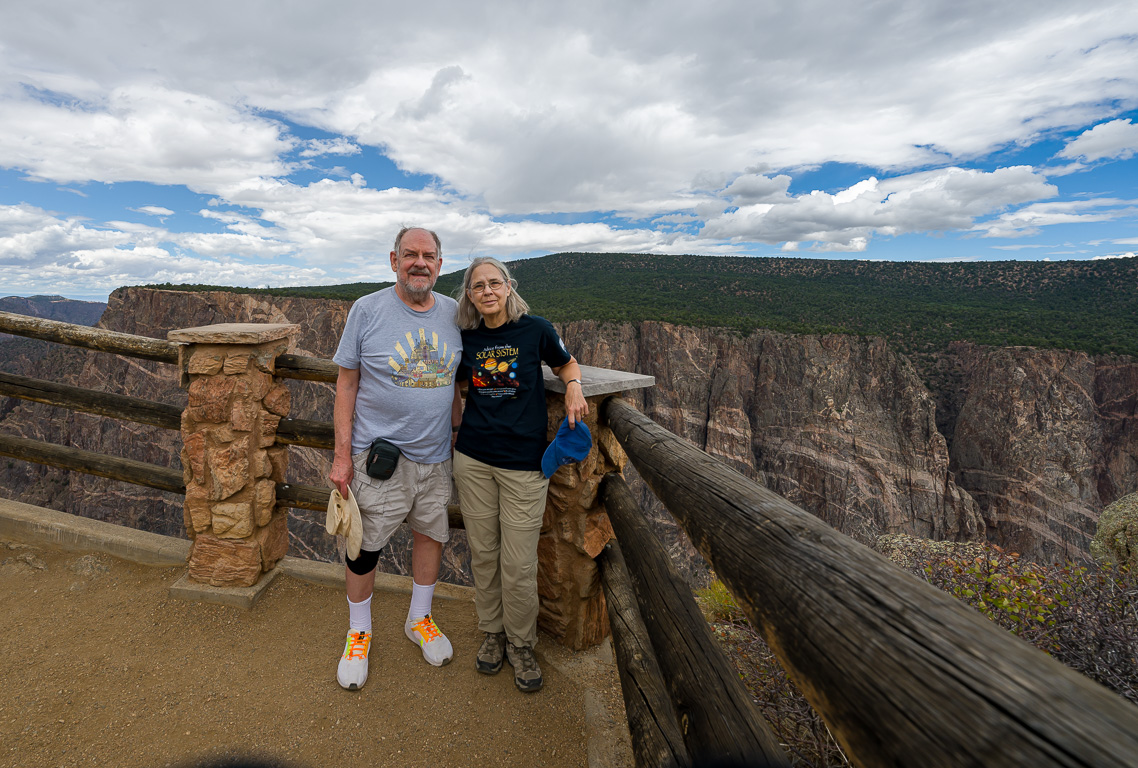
x=491, y=653
x=527, y=674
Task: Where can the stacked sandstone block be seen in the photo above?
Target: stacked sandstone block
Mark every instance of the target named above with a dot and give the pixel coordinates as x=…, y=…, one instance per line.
x=230, y=462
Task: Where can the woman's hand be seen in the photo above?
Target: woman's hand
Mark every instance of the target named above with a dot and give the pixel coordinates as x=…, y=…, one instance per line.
x=576, y=406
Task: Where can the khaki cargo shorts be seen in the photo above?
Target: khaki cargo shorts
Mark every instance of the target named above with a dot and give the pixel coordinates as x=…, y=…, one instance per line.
x=415, y=493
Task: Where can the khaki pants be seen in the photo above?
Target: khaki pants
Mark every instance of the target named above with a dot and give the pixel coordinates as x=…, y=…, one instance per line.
x=502, y=510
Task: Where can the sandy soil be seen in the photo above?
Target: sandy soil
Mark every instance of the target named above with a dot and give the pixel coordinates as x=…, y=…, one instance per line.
x=99, y=666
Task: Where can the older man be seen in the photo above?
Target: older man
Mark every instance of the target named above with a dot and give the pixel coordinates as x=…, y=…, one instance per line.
x=397, y=356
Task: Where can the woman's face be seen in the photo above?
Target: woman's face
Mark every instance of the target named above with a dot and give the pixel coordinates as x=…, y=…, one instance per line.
x=488, y=291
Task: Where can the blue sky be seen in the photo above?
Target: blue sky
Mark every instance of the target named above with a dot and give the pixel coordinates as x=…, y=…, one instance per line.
x=284, y=143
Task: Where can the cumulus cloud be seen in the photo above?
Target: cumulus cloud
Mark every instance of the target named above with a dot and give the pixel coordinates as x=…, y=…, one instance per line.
x=931, y=201
x=754, y=188
x=139, y=133
x=37, y=249
x=1116, y=140
x=518, y=113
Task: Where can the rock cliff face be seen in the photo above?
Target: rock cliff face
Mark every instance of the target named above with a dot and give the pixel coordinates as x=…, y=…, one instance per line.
x=54, y=308
x=1037, y=441
x=838, y=425
x=1043, y=441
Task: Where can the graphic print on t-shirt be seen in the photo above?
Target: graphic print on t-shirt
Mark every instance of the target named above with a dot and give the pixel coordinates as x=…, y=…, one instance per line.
x=495, y=372
x=422, y=367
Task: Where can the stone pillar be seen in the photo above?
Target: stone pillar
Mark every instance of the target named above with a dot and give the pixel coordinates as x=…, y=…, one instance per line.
x=230, y=462
x=576, y=527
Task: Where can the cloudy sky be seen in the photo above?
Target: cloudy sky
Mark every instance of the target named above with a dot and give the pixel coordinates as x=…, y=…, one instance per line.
x=284, y=143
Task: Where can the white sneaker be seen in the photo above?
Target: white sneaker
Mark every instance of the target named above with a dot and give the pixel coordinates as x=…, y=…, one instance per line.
x=352, y=671
x=425, y=634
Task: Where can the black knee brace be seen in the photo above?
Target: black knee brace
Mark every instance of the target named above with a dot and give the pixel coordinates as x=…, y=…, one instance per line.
x=364, y=564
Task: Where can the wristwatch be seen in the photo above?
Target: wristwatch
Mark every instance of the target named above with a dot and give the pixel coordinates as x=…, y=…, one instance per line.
x=576, y=380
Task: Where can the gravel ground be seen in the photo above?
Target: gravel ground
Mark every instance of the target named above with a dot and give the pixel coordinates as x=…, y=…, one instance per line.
x=99, y=666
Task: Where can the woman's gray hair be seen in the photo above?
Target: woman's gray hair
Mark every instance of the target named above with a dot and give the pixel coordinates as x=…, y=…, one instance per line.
x=468, y=315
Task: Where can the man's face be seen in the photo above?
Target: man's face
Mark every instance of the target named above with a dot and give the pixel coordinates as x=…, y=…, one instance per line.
x=416, y=265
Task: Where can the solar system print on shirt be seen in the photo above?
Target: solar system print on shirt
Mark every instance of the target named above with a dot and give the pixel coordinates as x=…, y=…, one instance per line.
x=421, y=365
x=495, y=372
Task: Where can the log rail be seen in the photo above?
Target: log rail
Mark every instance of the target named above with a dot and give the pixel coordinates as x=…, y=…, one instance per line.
x=290, y=431
x=288, y=366
x=902, y=673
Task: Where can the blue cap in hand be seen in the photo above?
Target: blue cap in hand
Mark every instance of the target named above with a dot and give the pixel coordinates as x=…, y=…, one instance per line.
x=568, y=446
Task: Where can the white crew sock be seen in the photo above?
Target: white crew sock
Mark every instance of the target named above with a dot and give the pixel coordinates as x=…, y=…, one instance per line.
x=420, y=600
x=359, y=615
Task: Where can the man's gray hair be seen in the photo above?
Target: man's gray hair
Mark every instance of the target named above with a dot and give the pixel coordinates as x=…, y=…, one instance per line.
x=405, y=230
x=468, y=315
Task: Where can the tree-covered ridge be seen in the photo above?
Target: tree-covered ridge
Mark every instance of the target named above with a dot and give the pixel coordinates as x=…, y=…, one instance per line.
x=1085, y=305
x=343, y=292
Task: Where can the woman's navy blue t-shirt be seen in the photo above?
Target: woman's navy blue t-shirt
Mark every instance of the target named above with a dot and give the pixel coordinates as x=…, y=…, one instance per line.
x=504, y=423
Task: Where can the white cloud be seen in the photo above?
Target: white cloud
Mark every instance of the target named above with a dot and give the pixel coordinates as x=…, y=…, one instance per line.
x=38, y=249
x=1116, y=140
x=932, y=201
x=1029, y=219
x=754, y=188
x=516, y=109
x=337, y=146
x=1129, y=255
x=610, y=113
x=140, y=133
x=154, y=210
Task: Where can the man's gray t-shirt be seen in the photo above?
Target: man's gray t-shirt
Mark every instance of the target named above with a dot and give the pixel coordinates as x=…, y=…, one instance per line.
x=407, y=361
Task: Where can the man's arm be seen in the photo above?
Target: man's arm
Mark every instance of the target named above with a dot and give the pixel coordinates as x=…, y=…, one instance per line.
x=347, y=387
x=576, y=405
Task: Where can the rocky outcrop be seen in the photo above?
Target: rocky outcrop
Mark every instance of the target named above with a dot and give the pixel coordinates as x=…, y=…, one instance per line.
x=1116, y=538
x=1043, y=441
x=1032, y=443
x=839, y=425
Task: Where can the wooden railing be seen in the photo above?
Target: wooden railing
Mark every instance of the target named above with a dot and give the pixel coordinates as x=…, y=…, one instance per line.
x=314, y=434
x=902, y=674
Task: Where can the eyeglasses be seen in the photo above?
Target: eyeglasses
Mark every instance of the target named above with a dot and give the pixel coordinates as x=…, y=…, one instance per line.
x=493, y=285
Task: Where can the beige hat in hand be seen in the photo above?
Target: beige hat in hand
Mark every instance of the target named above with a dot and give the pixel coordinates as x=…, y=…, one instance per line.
x=344, y=520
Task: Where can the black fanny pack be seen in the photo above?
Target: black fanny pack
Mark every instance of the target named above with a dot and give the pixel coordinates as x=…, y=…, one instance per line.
x=381, y=459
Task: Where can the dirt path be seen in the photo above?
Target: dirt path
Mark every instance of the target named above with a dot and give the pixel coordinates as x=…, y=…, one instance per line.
x=99, y=666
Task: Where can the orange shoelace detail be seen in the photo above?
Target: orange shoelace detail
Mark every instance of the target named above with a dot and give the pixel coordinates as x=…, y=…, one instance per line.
x=426, y=628
x=356, y=647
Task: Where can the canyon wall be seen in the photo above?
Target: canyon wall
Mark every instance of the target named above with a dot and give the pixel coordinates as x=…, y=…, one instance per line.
x=1031, y=445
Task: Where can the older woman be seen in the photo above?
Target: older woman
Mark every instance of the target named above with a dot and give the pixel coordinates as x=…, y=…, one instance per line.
x=497, y=458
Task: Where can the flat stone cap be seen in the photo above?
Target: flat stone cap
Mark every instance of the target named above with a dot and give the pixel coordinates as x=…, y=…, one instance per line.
x=234, y=333
x=600, y=381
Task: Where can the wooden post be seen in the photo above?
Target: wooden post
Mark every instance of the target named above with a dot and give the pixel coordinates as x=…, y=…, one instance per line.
x=652, y=723
x=721, y=724
x=230, y=463
x=575, y=528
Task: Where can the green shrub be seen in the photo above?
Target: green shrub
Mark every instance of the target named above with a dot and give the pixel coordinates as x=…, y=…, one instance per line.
x=718, y=604
x=1082, y=615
